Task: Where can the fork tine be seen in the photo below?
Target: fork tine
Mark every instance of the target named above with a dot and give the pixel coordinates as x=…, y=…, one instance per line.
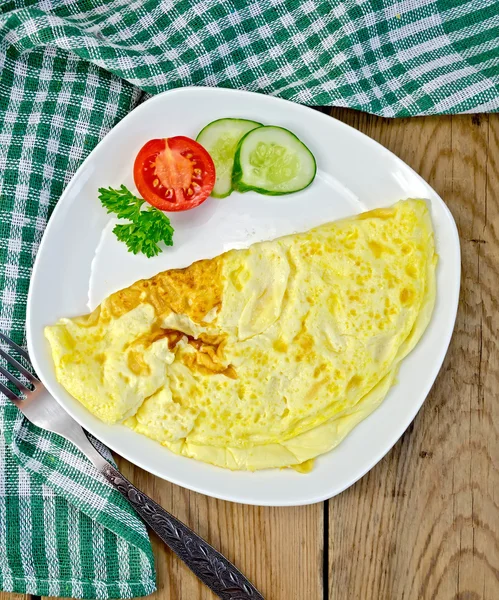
x=22, y=352
x=19, y=384
x=10, y=395
x=19, y=367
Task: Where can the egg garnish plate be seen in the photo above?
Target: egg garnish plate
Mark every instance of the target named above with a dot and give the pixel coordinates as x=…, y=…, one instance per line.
x=283, y=344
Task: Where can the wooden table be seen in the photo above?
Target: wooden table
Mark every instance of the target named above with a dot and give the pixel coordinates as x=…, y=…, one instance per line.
x=424, y=523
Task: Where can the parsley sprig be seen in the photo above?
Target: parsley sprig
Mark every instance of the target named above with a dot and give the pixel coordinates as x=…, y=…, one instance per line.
x=147, y=227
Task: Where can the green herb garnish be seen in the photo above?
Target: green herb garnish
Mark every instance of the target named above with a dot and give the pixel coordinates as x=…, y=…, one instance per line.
x=147, y=227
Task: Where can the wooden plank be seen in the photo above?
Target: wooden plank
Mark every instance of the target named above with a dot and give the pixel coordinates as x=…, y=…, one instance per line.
x=279, y=549
x=485, y=514
x=10, y=596
x=424, y=523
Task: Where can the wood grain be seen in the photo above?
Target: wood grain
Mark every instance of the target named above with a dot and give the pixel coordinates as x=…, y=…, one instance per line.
x=424, y=523
x=278, y=549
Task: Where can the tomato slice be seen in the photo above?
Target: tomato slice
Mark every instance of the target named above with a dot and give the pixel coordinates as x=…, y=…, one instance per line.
x=174, y=173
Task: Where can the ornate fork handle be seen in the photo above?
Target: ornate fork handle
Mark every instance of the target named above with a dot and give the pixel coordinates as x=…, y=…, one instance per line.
x=208, y=564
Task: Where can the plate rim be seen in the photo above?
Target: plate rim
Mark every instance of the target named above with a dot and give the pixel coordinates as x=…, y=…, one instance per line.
x=410, y=415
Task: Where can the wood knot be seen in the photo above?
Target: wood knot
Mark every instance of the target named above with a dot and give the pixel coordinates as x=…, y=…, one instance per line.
x=426, y=454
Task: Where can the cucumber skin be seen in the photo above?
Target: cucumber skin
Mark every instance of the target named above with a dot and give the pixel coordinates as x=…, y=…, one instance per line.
x=214, y=195
x=228, y=119
x=237, y=173
x=257, y=124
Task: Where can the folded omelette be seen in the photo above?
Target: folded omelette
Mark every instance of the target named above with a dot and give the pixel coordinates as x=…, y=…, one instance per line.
x=264, y=357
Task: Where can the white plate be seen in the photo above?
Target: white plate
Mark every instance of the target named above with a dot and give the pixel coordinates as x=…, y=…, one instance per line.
x=80, y=262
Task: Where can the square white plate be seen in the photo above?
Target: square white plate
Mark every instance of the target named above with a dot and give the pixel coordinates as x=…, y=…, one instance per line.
x=80, y=262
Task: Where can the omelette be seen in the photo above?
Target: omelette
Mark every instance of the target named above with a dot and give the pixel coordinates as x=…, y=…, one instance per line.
x=265, y=357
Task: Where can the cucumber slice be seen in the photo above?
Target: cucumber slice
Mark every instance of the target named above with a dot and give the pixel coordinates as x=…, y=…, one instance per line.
x=273, y=161
x=220, y=138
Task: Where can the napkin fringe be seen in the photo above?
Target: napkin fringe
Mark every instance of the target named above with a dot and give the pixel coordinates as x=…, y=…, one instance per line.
x=79, y=589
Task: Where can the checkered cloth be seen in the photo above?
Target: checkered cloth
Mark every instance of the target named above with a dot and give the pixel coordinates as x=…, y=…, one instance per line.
x=70, y=70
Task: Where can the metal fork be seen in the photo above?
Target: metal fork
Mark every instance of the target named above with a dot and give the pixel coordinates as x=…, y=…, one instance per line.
x=39, y=407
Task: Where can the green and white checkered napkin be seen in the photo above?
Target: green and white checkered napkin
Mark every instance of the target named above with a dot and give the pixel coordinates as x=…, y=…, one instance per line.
x=70, y=70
